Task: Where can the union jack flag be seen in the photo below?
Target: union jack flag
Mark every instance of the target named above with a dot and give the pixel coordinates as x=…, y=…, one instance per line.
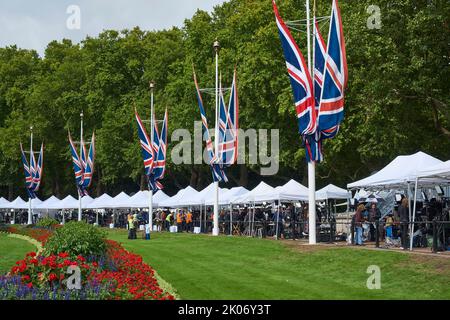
x=89, y=168
x=83, y=167
x=160, y=163
x=300, y=78
x=229, y=124
x=335, y=75
x=217, y=171
x=38, y=170
x=33, y=172
x=147, y=150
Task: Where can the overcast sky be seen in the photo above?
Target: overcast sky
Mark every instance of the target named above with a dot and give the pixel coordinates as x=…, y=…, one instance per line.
x=33, y=24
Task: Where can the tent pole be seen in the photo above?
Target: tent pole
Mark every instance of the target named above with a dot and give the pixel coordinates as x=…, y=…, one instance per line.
x=231, y=219
x=278, y=219
x=414, y=216
x=409, y=207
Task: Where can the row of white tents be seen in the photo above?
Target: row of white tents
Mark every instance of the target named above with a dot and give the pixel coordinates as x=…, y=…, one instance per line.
x=187, y=197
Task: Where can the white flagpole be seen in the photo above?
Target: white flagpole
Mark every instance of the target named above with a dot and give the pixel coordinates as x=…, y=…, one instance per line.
x=30, y=213
x=150, y=190
x=311, y=164
x=80, y=205
x=215, y=231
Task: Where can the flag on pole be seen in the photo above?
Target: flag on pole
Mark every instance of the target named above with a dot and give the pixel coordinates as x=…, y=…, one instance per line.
x=335, y=76
x=160, y=164
x=146, y=146
x=89, y=169
x=28, y=175
x=217, y=171
x=39, y=170
x=229, y=140
x=300, y=78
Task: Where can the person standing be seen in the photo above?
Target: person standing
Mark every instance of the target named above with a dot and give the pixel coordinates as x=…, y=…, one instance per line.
x=189, y=221
x=358, y=225
x=374, y=215
x=179, y=221
x=403, y=212
x=168, y=220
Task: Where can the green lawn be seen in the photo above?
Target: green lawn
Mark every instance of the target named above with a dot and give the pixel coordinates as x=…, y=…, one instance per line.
x=11, y=250
x=205, y=267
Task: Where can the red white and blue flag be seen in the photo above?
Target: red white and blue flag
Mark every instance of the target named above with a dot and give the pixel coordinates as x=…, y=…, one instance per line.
x=147, y=150
x=300, y=77
x=217, y=170
x=33, y=171
x=335, y=76
x=83, y=166
x=229, y=119
x=160, y=163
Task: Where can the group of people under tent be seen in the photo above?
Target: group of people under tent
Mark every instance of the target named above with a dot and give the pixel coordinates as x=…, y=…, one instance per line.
x=396, y=228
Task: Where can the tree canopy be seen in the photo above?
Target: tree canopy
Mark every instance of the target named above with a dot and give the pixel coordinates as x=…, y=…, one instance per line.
x=397, y=101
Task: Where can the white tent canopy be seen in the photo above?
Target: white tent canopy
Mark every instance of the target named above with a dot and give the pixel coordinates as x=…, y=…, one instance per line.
x=401, y=171
x=68, y=202
x=332, y=192
x=202, y=197
x=174, y=201
x=3, y=203
x=141, y=199
x=441, y=170
x=102, y=202
x=122, y=200
x=225, y=198
x=48, y=203
x=291, y=191
x=261, y=190
x=17, y=204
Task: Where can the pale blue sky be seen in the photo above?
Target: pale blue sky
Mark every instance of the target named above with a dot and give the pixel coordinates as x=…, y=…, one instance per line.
x=32, y=24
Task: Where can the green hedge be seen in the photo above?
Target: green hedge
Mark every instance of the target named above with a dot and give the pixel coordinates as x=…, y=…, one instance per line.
x=77, y=238
x=47, y=222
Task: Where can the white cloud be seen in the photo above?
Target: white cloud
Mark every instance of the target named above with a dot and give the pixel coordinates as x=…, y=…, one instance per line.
x=33, y=24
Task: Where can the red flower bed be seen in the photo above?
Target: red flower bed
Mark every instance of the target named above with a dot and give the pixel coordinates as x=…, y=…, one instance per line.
x=126, y=275
x=133, y=278
x=40, y=234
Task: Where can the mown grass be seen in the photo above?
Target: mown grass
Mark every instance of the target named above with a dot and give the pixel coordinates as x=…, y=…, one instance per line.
x=11, y=250
x=205, y=267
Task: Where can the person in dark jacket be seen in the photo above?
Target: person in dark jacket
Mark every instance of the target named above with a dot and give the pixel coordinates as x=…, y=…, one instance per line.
x=358, y=224
x=374, y=215
x=403, y=212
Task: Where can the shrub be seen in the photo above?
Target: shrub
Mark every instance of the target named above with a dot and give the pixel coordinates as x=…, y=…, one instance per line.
x=77, y=238
x=47, y=222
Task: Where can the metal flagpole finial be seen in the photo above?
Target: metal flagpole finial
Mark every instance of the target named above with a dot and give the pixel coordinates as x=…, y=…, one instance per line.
x=152, y=85
x=81, y=114
x=216, y=46
x=31, y=128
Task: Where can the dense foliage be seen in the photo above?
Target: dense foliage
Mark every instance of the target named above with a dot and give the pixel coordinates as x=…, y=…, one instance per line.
x=47, y=222
x=397, y=102
x=78, y=238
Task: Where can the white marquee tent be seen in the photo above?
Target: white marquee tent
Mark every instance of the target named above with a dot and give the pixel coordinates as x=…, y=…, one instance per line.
x=332, y=192
x=122, y=200
x=201, y=197
x=185, y=193
x=225, y=198
x=441, y=170
x=102, y=202
x=4, y=203
x=291, y=191
x=52, y=201
x=17, y=204
x=400, y=172
x=141, y=199
x=261, y=190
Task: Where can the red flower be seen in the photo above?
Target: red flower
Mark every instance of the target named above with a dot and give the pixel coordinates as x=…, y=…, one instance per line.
x=52, y=277
x=80, y=258
x=63, y=254
x=31, y=254
x=30, y=285
x=26, y=278
x=34, y=261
